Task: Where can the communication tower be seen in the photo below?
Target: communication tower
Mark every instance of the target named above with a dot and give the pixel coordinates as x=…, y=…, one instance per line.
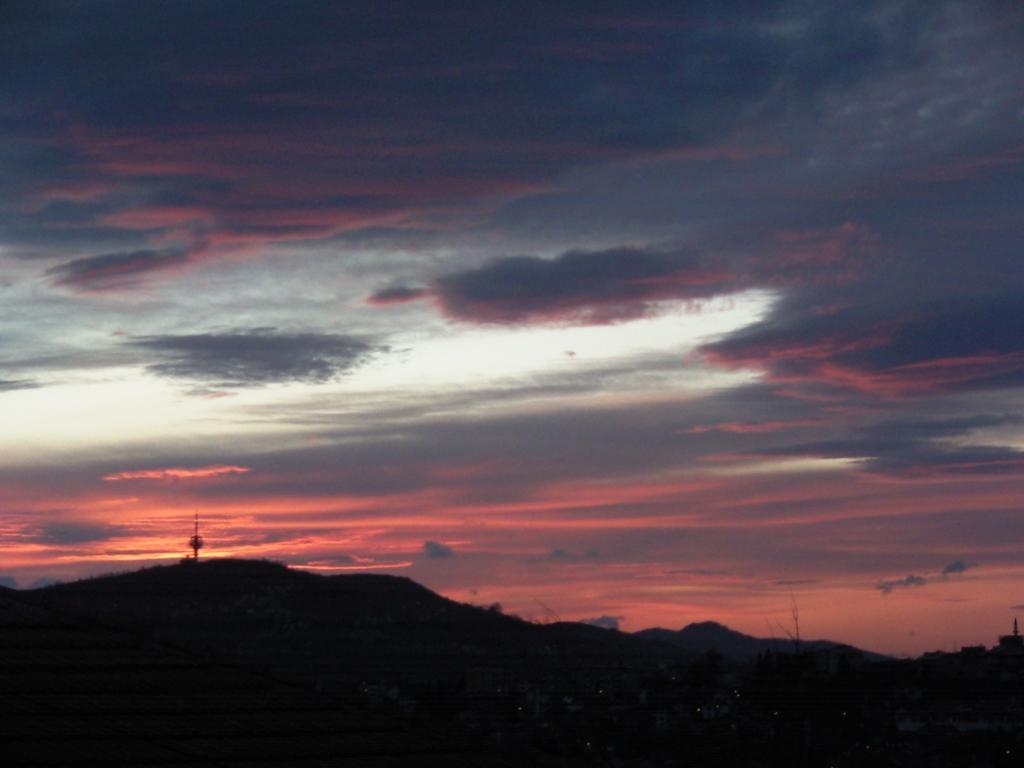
x=196, y=541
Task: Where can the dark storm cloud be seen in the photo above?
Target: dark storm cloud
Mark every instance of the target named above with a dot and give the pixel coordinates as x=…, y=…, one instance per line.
x=957, y=566
x=113, y=271
x=886, y=586
x=918, y=447
x=959, y=344
x=435, y=550
x=247, y=70
x=254, y=357
x=68, y=533
x=355, y=117
x=939, y=461
x=398, y=294
x=580, y=286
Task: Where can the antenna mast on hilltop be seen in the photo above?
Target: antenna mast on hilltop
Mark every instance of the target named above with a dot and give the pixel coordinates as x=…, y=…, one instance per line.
x=196, y=542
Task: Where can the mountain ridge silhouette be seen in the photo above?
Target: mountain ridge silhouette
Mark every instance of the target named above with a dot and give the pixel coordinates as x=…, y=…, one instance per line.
x=705, y=636
x=267, y=612
x=329, y=629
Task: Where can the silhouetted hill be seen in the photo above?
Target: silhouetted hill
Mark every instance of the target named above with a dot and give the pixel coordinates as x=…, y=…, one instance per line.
x=76, y=694
x=704, y=636
x=224, y=592
x=339, y=629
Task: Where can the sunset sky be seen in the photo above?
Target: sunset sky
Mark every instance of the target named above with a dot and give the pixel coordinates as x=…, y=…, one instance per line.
x=647, y=313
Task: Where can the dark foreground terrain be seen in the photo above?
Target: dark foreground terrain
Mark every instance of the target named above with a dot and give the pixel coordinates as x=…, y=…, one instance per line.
x=250, y=663
x=77, y=693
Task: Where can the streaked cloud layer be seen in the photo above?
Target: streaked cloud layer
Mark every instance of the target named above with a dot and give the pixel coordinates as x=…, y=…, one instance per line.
x=656, y=313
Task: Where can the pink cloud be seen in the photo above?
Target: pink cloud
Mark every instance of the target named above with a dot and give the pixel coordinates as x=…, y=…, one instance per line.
x=178, y=473
x=967, y=167
x=359, y=567
x=838, y=254
x=928, y=376
x=78, y=191
x=754, y=427
x=156, y=217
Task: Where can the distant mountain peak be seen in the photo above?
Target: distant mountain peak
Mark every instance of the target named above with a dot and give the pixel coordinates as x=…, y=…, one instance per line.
x=704, y=636
x=706, y=625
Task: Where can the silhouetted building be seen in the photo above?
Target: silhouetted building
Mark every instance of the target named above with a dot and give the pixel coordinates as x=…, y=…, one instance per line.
x=1012, y=643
